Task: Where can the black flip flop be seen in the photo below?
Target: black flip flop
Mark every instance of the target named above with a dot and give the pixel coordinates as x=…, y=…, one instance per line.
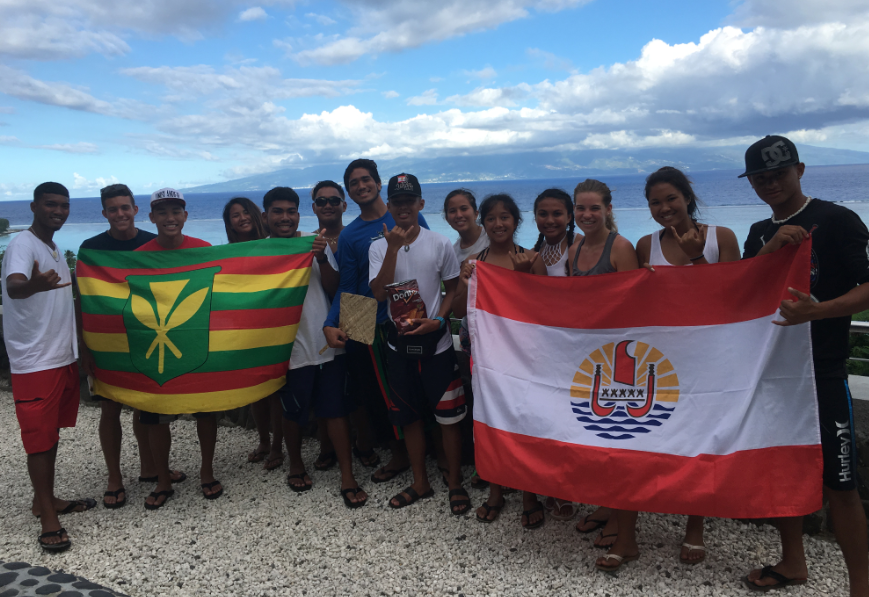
x=538, y=507
x=403, y=502
x=326, y=461
x=345, y=493
x=365, y=457
x=154, y=479
x=216, y=494
x=485, y=519
x=300, y=488
x=782, y=581
x=466, y=502
x=602, y=536
x=585, y=520
x=118, y=503
x=390, y=474
x=88, y=504
x=54, y=547
x=156, y=495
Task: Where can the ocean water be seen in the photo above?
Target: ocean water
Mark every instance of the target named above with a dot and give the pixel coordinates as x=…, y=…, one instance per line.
x=726, y=201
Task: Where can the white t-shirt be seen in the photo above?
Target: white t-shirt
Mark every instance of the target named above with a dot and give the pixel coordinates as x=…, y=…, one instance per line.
x=40, y=330
x=310, y=338
x=472, y=251
x=429, y=259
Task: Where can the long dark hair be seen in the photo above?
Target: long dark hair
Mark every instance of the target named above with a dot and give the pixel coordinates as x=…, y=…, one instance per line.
x=491, y=201
x=568, y=205
x=677, y=178
x=467, y=193
x=253, y=211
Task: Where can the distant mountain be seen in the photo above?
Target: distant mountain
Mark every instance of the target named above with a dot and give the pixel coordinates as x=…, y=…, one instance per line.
x=533, y=165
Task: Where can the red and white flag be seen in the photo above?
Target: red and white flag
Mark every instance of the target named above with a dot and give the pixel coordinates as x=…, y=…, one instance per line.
x=668, y=391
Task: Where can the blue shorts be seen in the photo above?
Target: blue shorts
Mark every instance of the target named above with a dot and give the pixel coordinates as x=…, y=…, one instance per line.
x=320, y=385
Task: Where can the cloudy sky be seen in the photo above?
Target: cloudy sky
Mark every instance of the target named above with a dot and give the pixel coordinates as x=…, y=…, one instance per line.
x=190, y=92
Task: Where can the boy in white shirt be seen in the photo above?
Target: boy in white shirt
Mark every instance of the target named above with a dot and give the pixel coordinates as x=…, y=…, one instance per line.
x=39, y=332
x=423, y=374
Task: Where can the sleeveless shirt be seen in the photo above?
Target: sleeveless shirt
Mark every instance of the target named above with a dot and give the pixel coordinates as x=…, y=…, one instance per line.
x=710, y=251
x=603, y=265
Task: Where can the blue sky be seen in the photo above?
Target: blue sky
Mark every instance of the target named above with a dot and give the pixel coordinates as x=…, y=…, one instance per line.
x=184, y=93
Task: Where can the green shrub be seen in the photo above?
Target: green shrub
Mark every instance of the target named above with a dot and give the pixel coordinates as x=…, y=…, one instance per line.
x=4, y=225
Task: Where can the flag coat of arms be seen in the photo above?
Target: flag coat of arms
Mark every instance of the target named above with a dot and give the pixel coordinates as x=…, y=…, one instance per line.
x=669, y=391
x=193, y=330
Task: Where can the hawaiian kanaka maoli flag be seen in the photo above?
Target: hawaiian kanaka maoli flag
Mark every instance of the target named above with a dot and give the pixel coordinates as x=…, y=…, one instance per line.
x=193, y=330
x=667, y=391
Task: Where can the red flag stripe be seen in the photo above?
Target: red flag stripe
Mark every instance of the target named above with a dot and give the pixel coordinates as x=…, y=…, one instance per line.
x=747, y=484
x=682, y=296
x=234, y=265
x=194, y=383
x=249, y=319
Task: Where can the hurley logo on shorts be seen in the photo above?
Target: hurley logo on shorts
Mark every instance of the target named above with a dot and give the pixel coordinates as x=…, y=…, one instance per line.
x=843, y=432
x=167, y=320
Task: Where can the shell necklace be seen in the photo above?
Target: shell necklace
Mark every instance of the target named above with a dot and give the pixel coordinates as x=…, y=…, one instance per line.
x=793, y=215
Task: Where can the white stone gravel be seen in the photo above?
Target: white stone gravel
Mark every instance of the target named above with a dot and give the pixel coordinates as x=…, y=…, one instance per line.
x=261, y=539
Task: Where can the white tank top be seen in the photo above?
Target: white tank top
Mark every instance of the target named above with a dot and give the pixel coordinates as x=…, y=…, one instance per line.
x=710, y=251
x=558, y=268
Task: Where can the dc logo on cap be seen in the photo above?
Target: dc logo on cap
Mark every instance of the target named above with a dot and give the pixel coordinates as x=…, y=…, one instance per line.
x=775, y=154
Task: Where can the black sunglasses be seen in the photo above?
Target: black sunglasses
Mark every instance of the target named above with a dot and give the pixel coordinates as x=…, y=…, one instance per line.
x=334, y=201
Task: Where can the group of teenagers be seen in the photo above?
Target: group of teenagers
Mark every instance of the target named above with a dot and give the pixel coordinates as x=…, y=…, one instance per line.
x=406, y=389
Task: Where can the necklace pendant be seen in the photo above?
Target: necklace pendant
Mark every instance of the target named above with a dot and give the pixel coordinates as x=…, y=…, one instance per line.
x=406, y=248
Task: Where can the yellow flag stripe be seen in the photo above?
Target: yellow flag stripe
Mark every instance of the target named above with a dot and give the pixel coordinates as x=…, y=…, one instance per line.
x=176, y=404
x=226, y=283
x=218, y=341
x=107, y=342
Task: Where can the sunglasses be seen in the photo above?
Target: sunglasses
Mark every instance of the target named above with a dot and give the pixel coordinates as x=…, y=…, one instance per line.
x=334, y=201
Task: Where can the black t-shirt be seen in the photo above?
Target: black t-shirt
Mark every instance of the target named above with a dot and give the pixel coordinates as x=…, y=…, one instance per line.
x=104, y=241
x=840, y=261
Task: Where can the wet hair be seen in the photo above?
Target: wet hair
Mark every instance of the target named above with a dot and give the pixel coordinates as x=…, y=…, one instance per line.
x=568, y=205
x=491, y=201
x=327, y=184
x=116, y=190
x=253, y=211
x=677, y=178
x=590, y=185
x=50, y=188
x=280, y=194
x=467, y=193
x=369, y=165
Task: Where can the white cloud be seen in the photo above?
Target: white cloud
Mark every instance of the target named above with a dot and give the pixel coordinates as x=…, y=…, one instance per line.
x=797, y=13
x=390, y=94
x=507, y=97
x=321, y=19
x=426, y=98
x=550, y=61
x=8, y=140
x=484, y=73
x=80, y=183
x=7, y=110
x=398, y=24
x=80, y=147
x=255, y=13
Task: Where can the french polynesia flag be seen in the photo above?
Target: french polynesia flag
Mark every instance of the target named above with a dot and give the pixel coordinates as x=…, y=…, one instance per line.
x=668, y=391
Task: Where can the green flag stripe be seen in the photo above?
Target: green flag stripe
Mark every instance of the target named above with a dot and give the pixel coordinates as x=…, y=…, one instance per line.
x=270, y=247
x=220, y=301
x=232, y=360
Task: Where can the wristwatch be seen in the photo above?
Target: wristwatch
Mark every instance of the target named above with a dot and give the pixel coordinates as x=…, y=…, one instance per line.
x=442, y=321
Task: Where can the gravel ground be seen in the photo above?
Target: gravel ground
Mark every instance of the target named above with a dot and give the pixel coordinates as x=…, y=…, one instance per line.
x=261, y=539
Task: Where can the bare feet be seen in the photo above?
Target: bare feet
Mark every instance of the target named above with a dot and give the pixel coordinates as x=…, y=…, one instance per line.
x=261, y=451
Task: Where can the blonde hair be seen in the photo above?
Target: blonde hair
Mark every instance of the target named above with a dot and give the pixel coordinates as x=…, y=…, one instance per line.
x=590, y=185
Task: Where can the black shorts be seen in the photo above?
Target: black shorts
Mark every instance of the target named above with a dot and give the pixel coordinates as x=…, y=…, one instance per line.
x=368, y=385
x=320, y=385
x=146, y=418
x=428, y=385
x=838, y=440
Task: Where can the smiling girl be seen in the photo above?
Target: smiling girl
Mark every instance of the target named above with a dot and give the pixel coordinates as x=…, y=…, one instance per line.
x=460, y=212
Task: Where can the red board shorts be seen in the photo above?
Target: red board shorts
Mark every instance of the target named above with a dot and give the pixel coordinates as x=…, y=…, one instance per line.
x=45, y=401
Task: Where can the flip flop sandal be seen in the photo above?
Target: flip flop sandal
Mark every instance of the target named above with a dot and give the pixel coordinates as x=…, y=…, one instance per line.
x=489, y=509
x=560, y=506
x=326, y=461
x=88, y=503
x=307, y=485
x=538, y=507
x=414, y=497
x=602, y=536
x=157, y=495
x=367, y=458
x=273, y=463
x=346, y=494
x=257, y=455
x=690, y=549
x=390, y=474
x=585, y=520
x=445, y=476
x=464, y=504
x=154, y=479
x=477, y=482
x=216, y=494
x=118, y=503
x=54, y=547
x=782, y=581
x=620, y=560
